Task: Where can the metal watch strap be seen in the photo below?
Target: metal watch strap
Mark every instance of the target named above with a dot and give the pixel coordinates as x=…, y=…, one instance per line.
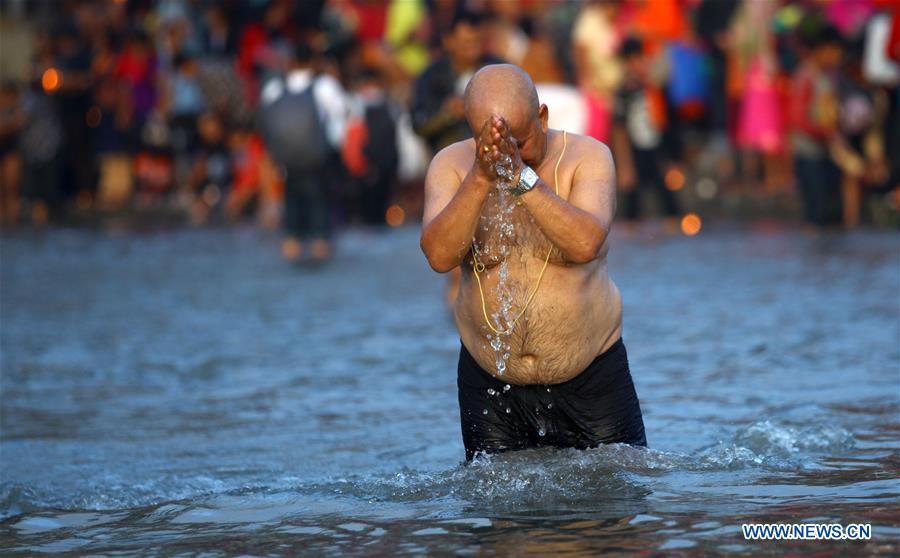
x=527, y=179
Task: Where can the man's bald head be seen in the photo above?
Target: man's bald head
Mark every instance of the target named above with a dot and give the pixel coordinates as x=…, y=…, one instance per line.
x=502, y=89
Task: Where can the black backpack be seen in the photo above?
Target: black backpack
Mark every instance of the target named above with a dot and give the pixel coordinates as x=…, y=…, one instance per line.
x=293, y=130
x=381, y=149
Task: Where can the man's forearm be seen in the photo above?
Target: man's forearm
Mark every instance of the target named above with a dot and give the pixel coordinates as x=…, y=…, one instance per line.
x=578, y=234
x=447, y=238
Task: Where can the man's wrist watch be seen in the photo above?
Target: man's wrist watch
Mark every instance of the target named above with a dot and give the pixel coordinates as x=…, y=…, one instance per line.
x=527, y=180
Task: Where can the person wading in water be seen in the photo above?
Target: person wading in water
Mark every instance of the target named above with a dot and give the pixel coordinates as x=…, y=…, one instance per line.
x=526, y=212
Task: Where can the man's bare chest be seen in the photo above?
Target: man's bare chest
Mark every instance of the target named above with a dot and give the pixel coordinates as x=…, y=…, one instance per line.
x=507, y=230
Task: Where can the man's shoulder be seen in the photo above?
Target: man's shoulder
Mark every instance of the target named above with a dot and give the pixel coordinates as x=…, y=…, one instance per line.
x=456, y=154
x=588, y=156
x=587, y=146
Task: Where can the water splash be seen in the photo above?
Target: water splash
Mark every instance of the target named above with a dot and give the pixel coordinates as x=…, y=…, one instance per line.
x=772, y=446
x=523, y=479
x=520, y=480
x=503, y=318
x=768, y=438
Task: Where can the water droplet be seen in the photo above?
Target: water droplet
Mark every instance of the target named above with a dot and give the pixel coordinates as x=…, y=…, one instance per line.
x=491, y=391
x=506, y=387
x=484, y=412
x=549, y=405
x=541, y=432
x=548, y=390
x=508, y=410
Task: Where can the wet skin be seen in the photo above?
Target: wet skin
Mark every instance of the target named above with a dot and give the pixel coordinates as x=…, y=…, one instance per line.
x=577, y=311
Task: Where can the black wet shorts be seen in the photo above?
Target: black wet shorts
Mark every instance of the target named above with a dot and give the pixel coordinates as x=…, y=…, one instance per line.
x=598, y=406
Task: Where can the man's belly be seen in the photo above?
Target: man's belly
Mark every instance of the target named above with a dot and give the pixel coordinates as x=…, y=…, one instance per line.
x=575, y=315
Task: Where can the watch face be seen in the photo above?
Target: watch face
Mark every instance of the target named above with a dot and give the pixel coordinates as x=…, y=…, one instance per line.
x=527, y=179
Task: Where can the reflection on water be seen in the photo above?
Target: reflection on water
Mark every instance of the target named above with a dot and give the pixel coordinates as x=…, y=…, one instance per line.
x=188, y=391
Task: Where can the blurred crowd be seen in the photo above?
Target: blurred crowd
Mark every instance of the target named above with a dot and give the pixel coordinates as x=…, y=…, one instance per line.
x=312, y=114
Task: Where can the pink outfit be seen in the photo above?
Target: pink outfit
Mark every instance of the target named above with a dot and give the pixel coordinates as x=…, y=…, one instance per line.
x=598, y=116
x=759, y=122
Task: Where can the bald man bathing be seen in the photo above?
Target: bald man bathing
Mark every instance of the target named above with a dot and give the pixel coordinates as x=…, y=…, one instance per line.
x=525, y=211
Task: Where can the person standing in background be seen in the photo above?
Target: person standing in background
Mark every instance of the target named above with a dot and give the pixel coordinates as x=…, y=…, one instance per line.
x=186, y=103
x=595, y=41
x=759, y=130
x=304, y=118
x=814, y=111
x=136, y=70
x=211, y=176
x=638, y=136
x=406, y=31
x=40, y=144
x=712, y=26
x=370, y=149
x=247, y=161
x=438, y=112
x=73, y=98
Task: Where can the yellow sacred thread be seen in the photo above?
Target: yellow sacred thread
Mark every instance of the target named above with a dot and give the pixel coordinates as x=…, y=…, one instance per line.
x=478, y=267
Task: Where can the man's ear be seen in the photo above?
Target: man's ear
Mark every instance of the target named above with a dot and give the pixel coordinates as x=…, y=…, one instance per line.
x=544, y=115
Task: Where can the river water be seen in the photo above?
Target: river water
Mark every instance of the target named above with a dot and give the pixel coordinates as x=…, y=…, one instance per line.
x=181, y=392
